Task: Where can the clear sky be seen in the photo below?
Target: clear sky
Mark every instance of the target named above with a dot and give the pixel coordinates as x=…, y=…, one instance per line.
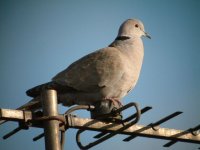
x=40, y=38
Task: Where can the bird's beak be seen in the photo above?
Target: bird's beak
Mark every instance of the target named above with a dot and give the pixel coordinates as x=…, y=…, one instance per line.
x=147, y=35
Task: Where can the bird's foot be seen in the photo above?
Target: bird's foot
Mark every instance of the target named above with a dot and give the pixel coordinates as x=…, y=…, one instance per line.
x=104, y=109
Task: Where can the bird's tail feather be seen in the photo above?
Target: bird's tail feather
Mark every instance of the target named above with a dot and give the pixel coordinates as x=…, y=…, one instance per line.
x=32, y=105
x=35, y=103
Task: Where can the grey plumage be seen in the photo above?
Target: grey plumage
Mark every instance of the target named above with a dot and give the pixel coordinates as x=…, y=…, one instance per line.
x=110, y=72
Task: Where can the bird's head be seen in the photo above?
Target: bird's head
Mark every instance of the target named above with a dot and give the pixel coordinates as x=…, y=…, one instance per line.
x=132, y=28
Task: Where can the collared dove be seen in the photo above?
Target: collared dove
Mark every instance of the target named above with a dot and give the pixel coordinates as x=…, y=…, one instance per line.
x=106, y=74
x=109, y=73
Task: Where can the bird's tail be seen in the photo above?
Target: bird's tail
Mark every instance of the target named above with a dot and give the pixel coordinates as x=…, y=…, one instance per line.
x=32, y=105
x=35, y=92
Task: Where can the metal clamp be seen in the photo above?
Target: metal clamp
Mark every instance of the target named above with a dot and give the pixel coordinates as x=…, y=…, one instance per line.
x=65, y=120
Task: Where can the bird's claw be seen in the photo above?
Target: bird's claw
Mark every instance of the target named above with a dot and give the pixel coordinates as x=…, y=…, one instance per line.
x=105, y=110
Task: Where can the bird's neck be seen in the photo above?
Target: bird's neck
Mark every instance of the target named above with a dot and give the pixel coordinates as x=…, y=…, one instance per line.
x=131, y=47
x=122, y=38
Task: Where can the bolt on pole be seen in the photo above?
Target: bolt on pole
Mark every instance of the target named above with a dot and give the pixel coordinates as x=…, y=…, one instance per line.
x=51, y=127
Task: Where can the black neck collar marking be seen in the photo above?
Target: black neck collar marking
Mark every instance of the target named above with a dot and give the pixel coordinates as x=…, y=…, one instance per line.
x=122, y=38
x=119, y=38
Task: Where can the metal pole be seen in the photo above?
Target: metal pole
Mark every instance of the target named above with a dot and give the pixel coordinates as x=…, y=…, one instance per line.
x=51, y=127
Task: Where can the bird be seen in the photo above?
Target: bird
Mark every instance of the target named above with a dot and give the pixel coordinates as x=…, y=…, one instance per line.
x=107, y=74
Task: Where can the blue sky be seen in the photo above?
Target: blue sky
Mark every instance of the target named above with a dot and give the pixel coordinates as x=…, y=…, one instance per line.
x=40, y=38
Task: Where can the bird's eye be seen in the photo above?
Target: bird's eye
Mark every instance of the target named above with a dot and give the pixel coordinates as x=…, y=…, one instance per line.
x=136, y=25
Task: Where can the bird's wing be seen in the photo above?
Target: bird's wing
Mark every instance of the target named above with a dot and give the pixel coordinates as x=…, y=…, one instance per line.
x=98, y=69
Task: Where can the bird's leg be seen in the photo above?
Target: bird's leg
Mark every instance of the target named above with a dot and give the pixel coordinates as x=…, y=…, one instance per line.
x=106, y=106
